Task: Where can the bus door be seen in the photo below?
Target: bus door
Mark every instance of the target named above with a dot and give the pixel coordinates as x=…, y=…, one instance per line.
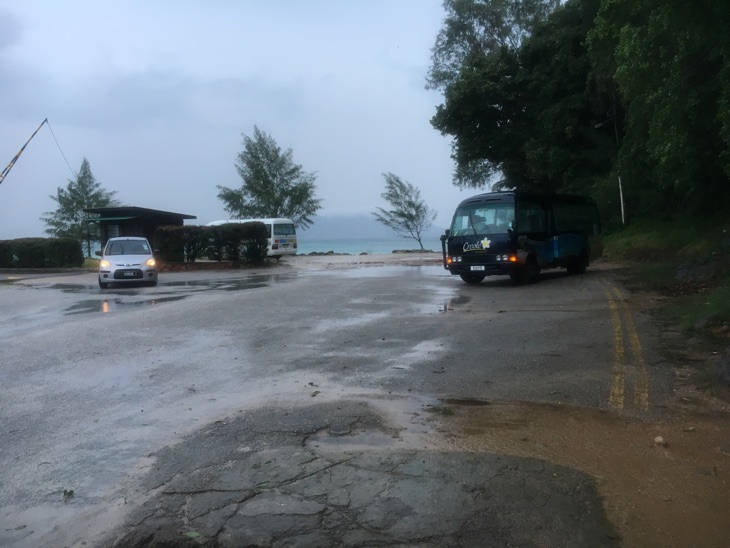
x=531, y=229
x=570, y=221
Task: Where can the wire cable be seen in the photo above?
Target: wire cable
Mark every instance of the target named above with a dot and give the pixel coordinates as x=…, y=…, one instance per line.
x=76, y=175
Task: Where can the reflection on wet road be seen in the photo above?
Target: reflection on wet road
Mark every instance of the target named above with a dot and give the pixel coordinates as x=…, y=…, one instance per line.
x=110, y=305
x=128, y=297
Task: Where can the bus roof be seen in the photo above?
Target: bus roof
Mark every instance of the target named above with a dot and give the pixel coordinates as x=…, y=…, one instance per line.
x=277, y=220
x=511, y=196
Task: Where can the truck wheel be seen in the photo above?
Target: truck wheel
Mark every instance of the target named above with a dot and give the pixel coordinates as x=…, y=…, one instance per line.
x=472, y=278
x=579, y=265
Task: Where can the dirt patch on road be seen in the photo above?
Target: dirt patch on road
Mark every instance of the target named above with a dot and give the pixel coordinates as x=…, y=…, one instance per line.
x=663, y=483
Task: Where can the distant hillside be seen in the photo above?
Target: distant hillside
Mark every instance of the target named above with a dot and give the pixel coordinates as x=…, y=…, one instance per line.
x=357, y=226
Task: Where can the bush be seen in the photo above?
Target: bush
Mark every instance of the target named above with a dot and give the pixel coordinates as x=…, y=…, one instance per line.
x=195, y=241
x=256, y=243
x=64, y=253
x=238, y=242
x=41, y=253
x=169, y=244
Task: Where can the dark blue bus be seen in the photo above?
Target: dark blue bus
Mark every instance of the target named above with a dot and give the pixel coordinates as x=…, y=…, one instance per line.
x=518, y=234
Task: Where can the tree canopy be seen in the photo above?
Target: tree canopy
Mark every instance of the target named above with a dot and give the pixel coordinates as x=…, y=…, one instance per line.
x=69, y=220
x=481, y=28
x=273, y=185
x=565, y=96
x=409, y=216
x=670, y=65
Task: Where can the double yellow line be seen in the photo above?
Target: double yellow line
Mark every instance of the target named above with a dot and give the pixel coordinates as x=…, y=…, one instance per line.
x=633, y=370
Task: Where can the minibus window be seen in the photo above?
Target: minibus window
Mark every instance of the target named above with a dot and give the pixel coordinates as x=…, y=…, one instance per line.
x=284, y=230
x=530, y=218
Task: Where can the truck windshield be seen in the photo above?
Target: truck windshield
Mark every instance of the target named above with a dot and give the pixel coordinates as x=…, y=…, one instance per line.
x=482, y=219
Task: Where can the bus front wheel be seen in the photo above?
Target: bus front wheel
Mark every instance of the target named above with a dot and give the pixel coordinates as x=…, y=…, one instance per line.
x=472, y=278
x=528, y=273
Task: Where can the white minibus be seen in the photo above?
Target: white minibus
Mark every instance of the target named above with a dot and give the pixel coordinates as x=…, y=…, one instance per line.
x=282, y=234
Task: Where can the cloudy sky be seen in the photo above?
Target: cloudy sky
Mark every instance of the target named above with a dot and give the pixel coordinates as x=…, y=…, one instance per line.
x=157, y=94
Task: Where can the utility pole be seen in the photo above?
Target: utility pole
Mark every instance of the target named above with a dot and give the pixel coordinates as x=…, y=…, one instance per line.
x=612, y=116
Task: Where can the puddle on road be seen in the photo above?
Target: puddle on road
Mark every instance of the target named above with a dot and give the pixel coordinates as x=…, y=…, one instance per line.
x=466, y=402
x=451, y=304
x=676, y=494
x=159, y=295
x=224, y=284
x=232, y=284
x=111, y=305
x=382, y=270
x=410, y=424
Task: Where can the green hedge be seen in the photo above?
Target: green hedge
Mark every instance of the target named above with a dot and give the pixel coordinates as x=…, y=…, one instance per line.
x=169, y=244
x=236, y=242
x=41, y=253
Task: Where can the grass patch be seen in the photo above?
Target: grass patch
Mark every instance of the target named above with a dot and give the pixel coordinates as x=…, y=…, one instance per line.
x=703, y=311
x=677, y=240
x=655, y=251
x=90, y=262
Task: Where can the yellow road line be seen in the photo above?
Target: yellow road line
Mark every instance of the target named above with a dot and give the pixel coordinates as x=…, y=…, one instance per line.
x=641, y=387
x=616, y=396
x=622, y=321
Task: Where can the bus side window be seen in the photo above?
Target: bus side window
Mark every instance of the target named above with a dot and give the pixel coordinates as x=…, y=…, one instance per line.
x=530, y=218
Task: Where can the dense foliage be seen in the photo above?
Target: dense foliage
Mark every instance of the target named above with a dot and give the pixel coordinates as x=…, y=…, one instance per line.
x=273, y=185
x=235, y=242
x=408, y=216
x=552, y=96
x=69, y=220
x=41, y=253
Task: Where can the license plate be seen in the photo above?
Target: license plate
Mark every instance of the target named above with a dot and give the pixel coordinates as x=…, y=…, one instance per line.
x=473, y=268
x=129, y=274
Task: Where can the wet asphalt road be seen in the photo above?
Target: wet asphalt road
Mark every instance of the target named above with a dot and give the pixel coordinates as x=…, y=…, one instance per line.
x=292, y=406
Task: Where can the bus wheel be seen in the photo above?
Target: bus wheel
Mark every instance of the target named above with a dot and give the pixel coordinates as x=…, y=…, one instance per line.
x=528, y=274
x=579, y=265
x=472, y=278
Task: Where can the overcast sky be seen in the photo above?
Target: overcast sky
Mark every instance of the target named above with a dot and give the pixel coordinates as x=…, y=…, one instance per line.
x=157, y=94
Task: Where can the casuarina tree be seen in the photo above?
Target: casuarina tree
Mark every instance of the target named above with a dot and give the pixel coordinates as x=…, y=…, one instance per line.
x=69, y=220
x=273, y=185
x=409, y=216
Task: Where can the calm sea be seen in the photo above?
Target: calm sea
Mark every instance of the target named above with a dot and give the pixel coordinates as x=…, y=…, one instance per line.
x=375, y=246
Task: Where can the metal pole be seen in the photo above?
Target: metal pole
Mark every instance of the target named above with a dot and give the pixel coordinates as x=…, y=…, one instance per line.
x=618, y=170
x=15, y=158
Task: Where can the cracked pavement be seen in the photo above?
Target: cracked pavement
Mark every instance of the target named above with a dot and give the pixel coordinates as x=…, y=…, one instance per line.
x=260, y=480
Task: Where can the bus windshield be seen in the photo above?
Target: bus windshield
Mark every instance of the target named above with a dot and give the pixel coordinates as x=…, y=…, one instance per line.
x=483, y=219
x=286, y=229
